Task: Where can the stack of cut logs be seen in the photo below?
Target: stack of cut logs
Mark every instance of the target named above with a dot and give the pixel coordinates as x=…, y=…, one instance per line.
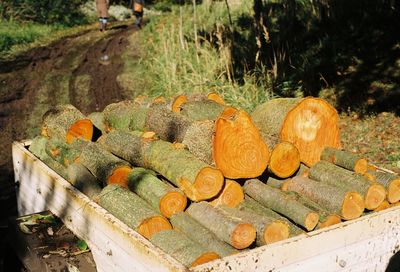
x=203, y=180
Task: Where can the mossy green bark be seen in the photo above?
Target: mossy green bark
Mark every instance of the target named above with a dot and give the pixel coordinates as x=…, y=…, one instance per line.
x=197, y=232
x=202, y=110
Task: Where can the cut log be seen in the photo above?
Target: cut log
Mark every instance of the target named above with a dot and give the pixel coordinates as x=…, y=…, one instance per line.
x=180, y=100
x=310, y=123
x=269, y=230
x=250, y=205
x=326, y=218
x=202, y=110
x=373, y=193
x=238, y=148
x=234, y=231
x=162, y=196
x=390, y=181
x=384, y=205
x=183, y=222
x=276, y=183
x=66, y=122
x=124, y=115
x=64, y=153
x=303, y=171
x=347, y=204
x=284, y=160
x=132, y=210
x=81, y=178
x=198, y=180
x=278, y=201
x=97, y=119
x=105, y=166
x=182, y=248
x=231, y=195
x=345, y=159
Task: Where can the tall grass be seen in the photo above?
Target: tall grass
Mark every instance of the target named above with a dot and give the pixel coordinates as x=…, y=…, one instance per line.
x=190, y=51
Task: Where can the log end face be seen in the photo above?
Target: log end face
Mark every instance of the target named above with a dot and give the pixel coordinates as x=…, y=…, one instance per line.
x=276, y=231
x=375, y=195
x=216, y=98
x=243, y=236
x=80, y=129
x=172, y=203
x=153, y=225
x=178, y=102
x=353, y=206
x=231, y=195
x=311, y=221
x=206, y=257
x=284, y=160
x=120, y=176
x=361, y=166
x=208, y=183
x=330, y=220
x=393, y=191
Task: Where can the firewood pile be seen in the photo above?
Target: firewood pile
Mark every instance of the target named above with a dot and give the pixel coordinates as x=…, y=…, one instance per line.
x=203, y=180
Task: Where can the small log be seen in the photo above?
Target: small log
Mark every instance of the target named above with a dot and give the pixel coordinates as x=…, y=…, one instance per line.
x=326, y=218
x=309, y=123
x=284, y=160
x=66, y=122
x=390, y=181
x=276, y=183
x=347, y=204
x=124, y=115
x=231, y=195
x=105, y=166
x=180, y=100
x=373, y=193
x=234, y=231
x=250, y=205
x=64, y=153
x=81, y=178
x=198, y=180
x=278, y=201
x=304, y=171
x=269, y=230
x=345, y=159
x=132, y=210
x=182, y=248
x=181, y=221
x=162, y=196
x=238, y=148
x=202, y=110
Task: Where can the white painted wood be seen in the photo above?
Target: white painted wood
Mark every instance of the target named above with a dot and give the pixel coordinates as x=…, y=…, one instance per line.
x=363, y=244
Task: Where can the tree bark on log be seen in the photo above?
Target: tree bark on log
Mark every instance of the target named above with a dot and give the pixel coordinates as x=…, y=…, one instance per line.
x=278, y=201
x=64, y=153
x=202, y=110
x=276, y=183
x=390, y=181
x=132, y=210
x=231, y=195
x=81, y=178
x=162, y=196
x=181, y=221
x=196, y=179
x=303, y=171
x=181, y=247
x=67, y=123
x=269, y=230
x=349, y=205
x=373, y=193
x=326, y=218
x=345, y=159
x=250, y=205
x=238, y=148
x=234, y=231
x=309, y=123
x=180, y=100
x=105, y=166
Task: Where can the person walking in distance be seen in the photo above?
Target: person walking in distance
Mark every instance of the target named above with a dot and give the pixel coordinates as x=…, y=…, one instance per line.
x=102, y=13
x=138, y=12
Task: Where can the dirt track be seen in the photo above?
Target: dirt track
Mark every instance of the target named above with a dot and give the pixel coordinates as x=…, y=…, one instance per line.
x=67, y=71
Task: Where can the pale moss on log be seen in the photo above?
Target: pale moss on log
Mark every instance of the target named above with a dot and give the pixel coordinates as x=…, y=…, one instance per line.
x=202, y=110
x=278, y=201
x=132, y=210
x=345, y=203
x=250, y=205
x=100, y=162
x=373, y=193
x=124, y=115
x=183, y=222
x=162, y=196
x=64, y=153
x=345, y=159
x=232, y=230
x=179, y=246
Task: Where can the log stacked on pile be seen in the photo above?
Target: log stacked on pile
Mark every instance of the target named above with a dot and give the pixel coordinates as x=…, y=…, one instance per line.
x=193, y=173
